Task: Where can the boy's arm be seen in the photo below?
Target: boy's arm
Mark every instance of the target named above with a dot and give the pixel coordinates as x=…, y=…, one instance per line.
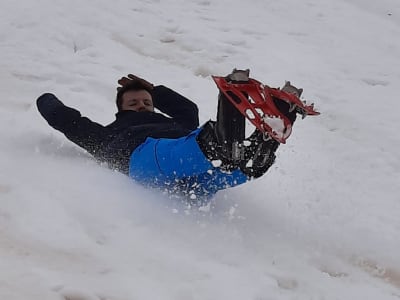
x=176, y=106
x=80, y=130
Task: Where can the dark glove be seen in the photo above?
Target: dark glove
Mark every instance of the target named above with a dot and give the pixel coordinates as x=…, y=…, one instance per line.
x=125, y=80
x=47, y=105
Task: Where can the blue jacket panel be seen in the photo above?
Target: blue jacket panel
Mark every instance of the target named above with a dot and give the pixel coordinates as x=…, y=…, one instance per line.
x=180, y=165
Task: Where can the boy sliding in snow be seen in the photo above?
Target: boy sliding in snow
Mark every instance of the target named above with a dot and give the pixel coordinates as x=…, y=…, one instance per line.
x=173, y=153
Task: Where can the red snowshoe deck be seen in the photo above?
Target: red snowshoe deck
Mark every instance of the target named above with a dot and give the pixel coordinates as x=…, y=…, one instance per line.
x=259, y=108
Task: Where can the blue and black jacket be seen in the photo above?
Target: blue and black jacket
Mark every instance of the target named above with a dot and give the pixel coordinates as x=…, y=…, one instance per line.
x=115, y=142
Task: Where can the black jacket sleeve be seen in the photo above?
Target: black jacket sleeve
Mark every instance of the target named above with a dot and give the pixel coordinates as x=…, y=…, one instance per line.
x=80, y=130
x=181, y=109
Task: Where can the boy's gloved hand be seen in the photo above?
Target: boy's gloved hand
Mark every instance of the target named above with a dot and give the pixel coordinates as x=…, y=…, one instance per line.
x=130, y=77
x=47, y=104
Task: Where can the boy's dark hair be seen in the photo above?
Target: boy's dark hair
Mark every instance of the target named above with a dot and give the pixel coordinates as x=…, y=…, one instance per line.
x=134, y=85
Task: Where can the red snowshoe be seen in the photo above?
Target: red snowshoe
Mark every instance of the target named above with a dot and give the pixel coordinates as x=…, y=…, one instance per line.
x=258, y=103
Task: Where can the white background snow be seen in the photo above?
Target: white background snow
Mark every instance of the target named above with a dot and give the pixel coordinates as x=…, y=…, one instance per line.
x=323, y=223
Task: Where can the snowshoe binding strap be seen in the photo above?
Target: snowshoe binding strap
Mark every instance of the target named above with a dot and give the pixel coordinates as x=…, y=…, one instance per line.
x=255, y=101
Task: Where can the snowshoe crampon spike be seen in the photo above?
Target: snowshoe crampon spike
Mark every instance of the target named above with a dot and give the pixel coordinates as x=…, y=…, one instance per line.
x=255, y=101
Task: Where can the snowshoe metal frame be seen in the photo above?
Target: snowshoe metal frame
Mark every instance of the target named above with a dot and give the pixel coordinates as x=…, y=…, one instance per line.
x=255, y=101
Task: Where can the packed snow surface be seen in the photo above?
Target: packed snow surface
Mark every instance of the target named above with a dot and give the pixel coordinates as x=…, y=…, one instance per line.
x=323, y=223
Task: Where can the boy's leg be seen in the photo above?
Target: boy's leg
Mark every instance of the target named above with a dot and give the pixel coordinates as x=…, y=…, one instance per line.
x=230, y=129
x=259, y=155
x=230, y=126
x=223, y=139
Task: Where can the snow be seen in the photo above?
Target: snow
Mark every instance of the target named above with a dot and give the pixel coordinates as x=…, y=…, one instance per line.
x=323, y=223
x=277, y=125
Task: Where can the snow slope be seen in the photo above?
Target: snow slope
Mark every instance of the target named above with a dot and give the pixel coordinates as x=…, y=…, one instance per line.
x=322, y=224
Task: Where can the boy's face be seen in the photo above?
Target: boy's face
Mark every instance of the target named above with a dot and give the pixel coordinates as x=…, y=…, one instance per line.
x=137, y=101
